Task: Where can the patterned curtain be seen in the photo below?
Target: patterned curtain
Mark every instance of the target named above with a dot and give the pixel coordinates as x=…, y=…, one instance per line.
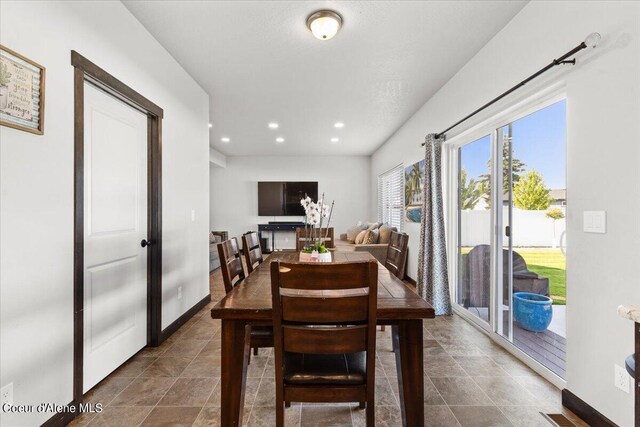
x=433, y=280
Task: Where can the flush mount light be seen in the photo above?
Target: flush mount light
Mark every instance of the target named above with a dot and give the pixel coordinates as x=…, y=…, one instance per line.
x=338, y=125
x=334, y=140
x=324, y=24
x=225, y=139
x=279, y=140
x=210, y=125
x=273, y=125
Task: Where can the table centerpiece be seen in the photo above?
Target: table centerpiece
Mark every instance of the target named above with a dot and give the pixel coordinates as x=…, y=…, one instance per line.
x=314, y=249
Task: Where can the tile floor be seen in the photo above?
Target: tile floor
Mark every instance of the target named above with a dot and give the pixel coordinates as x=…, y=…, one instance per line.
x=469, y=381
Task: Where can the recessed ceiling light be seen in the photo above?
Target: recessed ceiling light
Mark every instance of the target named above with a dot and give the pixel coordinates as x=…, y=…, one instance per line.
x=225, y=139
x=335, y=139
x=338, y=125
x=210, y=125
x=324, y=24
x=273, y=125
x=279, y=140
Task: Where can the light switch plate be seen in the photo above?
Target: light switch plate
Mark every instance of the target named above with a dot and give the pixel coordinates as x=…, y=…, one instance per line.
x=621, y=378
x=594, y=222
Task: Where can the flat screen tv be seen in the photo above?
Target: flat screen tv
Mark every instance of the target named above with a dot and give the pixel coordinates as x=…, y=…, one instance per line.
x=283, y=198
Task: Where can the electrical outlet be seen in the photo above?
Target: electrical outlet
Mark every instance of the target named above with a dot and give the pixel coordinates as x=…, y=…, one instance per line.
x=179, y=292
x=621, y=378
x=6, y=395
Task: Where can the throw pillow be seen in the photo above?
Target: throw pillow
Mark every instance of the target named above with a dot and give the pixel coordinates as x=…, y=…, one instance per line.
x=360, y=237
x=353, y=232
x=371, y=237
x=373, y=226
x=385, y=233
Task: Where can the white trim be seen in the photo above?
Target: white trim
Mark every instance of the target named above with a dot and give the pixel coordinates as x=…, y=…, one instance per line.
x=522, y=106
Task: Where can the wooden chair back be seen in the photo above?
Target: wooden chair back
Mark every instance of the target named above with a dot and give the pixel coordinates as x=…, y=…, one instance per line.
x=230, y=263
x=325, y=309
x=303, y=234
x=252, y=250
x=397, y=254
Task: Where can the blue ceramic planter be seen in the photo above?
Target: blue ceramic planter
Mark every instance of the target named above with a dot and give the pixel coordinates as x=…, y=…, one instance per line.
x=533, y=312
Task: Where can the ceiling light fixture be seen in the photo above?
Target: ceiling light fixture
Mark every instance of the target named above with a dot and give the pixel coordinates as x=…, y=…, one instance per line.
x=338, y=125
x=273, y=125
x=279, y=140
x=324, y=24
x=334, y=140
x=210, y=125
x=225, y=139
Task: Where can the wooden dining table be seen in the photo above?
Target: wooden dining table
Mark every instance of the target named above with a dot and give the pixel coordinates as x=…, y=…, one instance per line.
x=249, y=303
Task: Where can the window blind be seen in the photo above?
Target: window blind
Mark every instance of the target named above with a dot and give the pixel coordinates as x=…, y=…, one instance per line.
x=391, y=197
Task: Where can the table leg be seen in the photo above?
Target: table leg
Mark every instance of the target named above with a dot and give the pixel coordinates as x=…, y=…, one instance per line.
x=235, y=357
x=637, y=376
x=407, y=337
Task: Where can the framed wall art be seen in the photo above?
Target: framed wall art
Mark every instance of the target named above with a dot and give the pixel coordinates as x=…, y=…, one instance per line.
x=21, y=92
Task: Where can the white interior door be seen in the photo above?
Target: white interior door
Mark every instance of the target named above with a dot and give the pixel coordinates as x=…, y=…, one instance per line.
x=115, y=222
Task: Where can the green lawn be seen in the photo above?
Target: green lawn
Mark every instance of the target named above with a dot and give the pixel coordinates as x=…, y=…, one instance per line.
x=549, y=263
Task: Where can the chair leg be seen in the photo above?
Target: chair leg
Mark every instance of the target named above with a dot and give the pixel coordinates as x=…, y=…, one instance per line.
x=287, y=404
x=382, y=328
x=362, y=405
x=279, y=414
x=371, y=414
x=255, y=351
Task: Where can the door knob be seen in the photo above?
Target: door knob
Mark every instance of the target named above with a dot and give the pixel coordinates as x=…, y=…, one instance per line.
x=144, y=243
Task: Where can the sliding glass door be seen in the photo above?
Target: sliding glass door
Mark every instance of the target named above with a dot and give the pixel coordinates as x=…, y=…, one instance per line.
x=511, y=241
x=534, y=244
x=474, y=228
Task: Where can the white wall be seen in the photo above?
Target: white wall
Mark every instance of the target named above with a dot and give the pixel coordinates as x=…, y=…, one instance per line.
x=36, y=185
x=217, y=158
x=603, y=106
x=234, y=190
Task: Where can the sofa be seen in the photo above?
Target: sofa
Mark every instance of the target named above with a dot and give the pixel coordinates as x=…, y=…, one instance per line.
x=215, y=237
x=377, y=247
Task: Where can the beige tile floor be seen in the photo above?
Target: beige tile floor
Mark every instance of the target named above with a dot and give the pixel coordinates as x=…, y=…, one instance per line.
x=469, y=381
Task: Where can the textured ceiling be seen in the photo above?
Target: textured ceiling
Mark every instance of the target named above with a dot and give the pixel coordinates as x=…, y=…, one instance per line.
x=259, y=63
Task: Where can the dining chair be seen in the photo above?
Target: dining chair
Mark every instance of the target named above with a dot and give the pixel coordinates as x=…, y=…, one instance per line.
x=252, y=250
x=324, y=324
x=232, y=276
x=397, y=254
x=303, y=235
x=230, y=263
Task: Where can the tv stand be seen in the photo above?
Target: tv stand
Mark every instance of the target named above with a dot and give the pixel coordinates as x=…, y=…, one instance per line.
x=278, y=226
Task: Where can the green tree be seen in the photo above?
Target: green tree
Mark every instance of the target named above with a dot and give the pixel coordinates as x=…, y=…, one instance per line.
x=484, y=188
x=530, y=193
x=469, y=192
x=517, y=168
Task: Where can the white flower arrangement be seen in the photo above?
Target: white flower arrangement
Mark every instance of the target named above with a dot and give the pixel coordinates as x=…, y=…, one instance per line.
x=315, y=214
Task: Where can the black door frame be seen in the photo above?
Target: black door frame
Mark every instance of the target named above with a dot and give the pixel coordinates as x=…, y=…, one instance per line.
x=85, y=70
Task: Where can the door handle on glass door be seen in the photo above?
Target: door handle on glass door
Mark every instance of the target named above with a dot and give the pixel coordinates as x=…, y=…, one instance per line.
x=507, y=231
x=145, y=243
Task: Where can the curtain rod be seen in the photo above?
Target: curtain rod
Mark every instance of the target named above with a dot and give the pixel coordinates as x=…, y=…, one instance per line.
x=590, y=41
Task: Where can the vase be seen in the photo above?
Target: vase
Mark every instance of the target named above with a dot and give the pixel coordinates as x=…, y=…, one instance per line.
x=315, y=257
x=533, y=312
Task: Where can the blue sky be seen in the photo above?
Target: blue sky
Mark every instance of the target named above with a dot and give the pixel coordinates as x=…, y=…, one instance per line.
x=539, y=140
